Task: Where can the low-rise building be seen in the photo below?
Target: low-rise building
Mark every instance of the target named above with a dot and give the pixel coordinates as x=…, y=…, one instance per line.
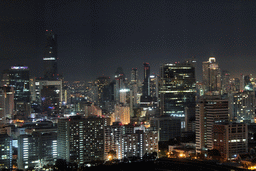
x=230, y=139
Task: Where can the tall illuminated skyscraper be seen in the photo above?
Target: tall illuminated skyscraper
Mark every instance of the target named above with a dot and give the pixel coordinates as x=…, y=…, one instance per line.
x=50, y=56
x=177, y=90
x=18, y=78
x=211, y=75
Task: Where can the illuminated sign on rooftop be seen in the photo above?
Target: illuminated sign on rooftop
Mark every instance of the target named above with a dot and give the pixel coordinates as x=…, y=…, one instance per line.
x=19, y=67
x=49, y=59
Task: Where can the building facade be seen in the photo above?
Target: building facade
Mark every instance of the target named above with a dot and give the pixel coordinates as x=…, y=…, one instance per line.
x=211, y=76
x=167, y=127
x=5, y=151
x=81, y=139
x=50, y=56
x=6, y=104
x=130, y=141
x=36, y=148
x=18, y=78
x=177, y=90
x=121, y=114
x=243, y=106
x=146, y=81
x=209, y=111
x=230, y=139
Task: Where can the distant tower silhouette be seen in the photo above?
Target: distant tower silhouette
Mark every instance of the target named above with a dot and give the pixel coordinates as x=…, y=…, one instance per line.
x=50, y=56
x=145, y=88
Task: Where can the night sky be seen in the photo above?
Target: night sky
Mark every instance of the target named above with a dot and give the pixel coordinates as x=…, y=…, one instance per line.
x=95, y=37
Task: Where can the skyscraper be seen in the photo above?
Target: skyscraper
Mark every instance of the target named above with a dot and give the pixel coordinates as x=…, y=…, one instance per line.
x=134, y=88
x=18, y=78
x=6, y=103
x=225, y=82
x=211, y=75
x=120, y=84
x=50, y=56
x=154, y=79
x=209, y=111
x=177, y=90
x=48, y=94
x=103, y=90
x=134, y=75
x=145, y=88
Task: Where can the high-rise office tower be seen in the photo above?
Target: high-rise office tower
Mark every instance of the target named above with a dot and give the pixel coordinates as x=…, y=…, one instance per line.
x=154, y=84
x=103, y=90
x=120, y=84
x=178, y=90
x=209, y=111
x=145, y=88
x=235, y=85
x=6, y=104
x=18, y=78
x=211, y=75
x=225, y=82
x=50, y=56
x=50, y=100
x=134, y=88
x=134, y=75
x=241, y=82
x=48, y=94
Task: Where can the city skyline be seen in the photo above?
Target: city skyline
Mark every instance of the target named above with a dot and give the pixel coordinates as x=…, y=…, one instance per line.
x=95, y=38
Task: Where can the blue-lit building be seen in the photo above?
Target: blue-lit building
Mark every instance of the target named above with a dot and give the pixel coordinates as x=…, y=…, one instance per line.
x=18, y=78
